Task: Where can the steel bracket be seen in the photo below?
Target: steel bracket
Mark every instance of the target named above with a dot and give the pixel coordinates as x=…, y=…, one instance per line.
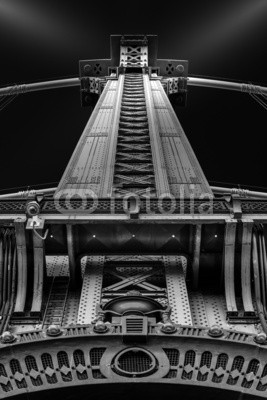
x=236, y=206
x=35, y=222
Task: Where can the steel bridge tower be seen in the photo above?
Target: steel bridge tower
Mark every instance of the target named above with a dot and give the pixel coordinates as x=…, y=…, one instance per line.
x=133, y=277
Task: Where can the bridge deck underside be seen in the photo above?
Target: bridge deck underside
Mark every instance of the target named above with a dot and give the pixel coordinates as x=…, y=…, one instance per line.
x=64, y=306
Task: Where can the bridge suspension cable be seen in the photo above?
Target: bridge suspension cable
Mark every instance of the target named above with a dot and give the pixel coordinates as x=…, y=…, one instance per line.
x=192, y=81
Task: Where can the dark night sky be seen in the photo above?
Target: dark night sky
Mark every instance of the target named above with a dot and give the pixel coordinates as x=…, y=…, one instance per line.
x=42, y=40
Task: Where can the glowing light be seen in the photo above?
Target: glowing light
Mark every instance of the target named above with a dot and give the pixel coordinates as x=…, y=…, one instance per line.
x=41, y=22
x=94, y=236
x=215, y=236
x=133, y=235
x=173, y=236
x=226, y=27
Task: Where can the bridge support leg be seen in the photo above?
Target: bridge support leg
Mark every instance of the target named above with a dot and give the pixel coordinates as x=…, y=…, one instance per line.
x=39, y=265
x=229, y=267
x=22, y=267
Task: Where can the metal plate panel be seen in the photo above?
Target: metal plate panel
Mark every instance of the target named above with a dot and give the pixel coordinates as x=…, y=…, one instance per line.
x=246, y=265
x=229, y=265
x=57, y=265
x=208, y=310
x=177, y=291
x=181, y=162
x=91, y=290
x=71, y=309
x=161, y=179
x=87, y=167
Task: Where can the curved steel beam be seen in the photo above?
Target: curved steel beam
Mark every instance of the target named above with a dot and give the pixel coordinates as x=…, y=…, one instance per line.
x=35, y=87
x=192, y=81
x=235, y=86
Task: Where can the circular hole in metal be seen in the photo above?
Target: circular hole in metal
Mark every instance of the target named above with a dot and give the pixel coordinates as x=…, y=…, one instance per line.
x=135, y=363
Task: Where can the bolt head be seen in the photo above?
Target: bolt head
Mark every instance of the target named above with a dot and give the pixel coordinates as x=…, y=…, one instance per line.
x=53, y=330
x=87, y=68
x=180, y=68
x=33, y=208
x=100, y=327
x=261, y=338
x=215, y=331
x=168, y=328
x=7, y=337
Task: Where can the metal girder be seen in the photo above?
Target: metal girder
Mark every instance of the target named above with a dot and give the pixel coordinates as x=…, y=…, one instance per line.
x=134, y=56
x=246, y=266
x=229, y=265
x=133, y=167
x=138, y=280
x=161, y=178
x=106, y=187
x=90, y=167
x=38, y=280
x=22, y=266
x=182, y=167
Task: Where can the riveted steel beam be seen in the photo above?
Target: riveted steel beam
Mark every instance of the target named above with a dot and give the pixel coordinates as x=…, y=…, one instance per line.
x=39, y=266
x=246, y=266
x=229, y=266
x=22, y=266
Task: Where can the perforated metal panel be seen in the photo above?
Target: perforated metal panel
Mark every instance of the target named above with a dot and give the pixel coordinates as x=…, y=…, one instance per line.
x=210, y=309
x=57, y=265
x=177, y=290
x=56, y=303
x=91, y=290
x=198, y=309
x=71, y=308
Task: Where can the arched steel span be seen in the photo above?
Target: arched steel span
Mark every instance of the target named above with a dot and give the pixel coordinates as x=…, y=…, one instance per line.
x=192, y=81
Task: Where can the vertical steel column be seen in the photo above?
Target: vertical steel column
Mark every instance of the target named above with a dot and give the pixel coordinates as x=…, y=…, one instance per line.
x=246, y=265
x=39, y=265
x=161, y=178
x=74, y=266
x=22, y=266
x=196, y=254
x=229, y=265
x=107, y=181
x=1, y=267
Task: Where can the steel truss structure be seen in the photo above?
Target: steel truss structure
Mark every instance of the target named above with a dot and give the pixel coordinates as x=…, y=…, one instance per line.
x=134, y=271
